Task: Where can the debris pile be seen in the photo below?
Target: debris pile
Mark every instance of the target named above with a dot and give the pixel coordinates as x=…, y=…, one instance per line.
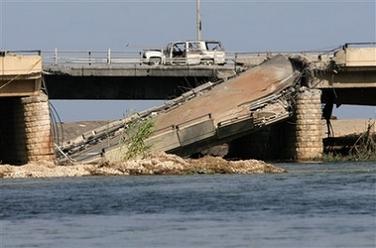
x=156, y=164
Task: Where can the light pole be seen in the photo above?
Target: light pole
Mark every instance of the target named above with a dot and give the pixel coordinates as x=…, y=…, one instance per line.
x=198, y=21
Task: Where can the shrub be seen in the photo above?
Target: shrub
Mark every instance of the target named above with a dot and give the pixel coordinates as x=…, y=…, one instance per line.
x=134, y=138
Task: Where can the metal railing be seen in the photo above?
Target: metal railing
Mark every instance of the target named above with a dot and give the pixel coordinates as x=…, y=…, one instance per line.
x=57, y=57
x=109, y=56
x=113, y=57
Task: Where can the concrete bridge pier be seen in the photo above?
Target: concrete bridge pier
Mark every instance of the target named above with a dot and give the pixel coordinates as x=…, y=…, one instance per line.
x=25, y=130
x=25, y=126
x=38, y=134
x=299, y=139
x=308, y=143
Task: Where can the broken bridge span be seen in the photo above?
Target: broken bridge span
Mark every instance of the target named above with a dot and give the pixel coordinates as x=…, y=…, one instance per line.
x=211, y=114
x=219, y=108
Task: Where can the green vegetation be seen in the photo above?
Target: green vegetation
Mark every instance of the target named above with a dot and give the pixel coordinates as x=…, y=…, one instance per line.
x=134, y=137
x=336, y=157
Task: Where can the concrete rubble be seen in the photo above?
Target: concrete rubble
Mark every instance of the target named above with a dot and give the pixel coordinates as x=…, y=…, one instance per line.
x=157, y=164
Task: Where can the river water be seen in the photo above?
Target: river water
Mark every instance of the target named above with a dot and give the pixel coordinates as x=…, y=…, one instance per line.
x=324, y=205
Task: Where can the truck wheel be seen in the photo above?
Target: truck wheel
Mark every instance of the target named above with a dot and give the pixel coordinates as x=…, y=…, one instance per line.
x=207, y=62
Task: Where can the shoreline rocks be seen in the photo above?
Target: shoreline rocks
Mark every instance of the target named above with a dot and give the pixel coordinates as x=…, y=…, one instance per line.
x=156, y=164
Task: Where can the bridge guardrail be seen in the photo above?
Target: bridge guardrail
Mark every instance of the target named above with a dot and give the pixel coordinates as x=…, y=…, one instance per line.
x=100, y=57
x=134, y=58
x=57, y=57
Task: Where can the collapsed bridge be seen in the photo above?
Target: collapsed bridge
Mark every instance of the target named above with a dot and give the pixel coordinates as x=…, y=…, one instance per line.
x=211, y=114
x=264, y=109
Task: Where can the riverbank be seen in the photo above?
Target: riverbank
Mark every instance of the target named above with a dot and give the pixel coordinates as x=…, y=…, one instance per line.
x=158, y=164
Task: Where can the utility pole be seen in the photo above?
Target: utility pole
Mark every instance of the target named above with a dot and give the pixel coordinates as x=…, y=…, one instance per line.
x=198, y=21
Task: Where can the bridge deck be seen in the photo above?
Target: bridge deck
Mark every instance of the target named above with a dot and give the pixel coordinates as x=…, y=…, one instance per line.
x=97, y=75
x=127, y=82
x=231, y=99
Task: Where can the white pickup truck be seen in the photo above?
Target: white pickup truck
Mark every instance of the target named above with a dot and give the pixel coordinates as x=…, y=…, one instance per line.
x=187, y=53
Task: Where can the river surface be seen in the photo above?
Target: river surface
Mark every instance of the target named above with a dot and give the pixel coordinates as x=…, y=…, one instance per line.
x=324, y=205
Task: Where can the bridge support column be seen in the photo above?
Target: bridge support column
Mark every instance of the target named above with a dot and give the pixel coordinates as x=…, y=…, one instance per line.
x=38, y=135
x=308, y=130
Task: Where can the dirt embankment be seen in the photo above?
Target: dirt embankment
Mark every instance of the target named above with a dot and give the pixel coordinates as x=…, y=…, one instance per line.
x=72, y=130
x=159, y=164
x=349, y=127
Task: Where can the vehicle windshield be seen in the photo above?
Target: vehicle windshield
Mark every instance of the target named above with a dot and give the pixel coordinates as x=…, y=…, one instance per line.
x=213, y=46
x=178, y=50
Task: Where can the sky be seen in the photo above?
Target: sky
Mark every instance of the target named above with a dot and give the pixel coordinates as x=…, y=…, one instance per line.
x=241, y=25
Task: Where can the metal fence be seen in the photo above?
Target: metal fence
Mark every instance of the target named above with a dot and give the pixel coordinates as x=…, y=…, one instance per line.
x=113, y=57
x=108, y=57
x=57, y=57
